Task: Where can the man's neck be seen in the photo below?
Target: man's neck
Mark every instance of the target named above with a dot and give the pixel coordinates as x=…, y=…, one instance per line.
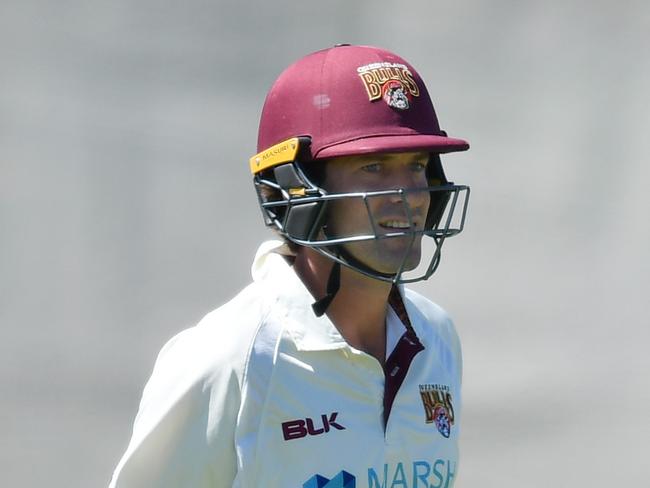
x=359, y=308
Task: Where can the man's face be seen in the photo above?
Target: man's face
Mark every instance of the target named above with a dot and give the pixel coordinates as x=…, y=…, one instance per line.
x=350, y=217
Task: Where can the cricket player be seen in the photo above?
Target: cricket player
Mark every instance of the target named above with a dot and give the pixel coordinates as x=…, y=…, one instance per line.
x=326, y=371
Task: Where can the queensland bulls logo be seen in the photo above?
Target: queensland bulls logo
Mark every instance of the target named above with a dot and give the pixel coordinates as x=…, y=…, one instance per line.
x=395, y=95
x=391, y=82
x=438, y=407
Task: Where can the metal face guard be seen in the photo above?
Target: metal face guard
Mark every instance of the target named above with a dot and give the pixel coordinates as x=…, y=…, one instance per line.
x=299, y=214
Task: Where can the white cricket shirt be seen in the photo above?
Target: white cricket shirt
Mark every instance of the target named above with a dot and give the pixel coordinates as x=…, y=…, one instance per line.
x=262, y=393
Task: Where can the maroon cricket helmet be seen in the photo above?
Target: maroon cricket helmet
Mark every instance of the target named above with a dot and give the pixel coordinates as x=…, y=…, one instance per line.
x=352, y=100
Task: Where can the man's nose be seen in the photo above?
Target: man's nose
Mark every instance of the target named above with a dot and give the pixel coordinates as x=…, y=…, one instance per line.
x=409, y=182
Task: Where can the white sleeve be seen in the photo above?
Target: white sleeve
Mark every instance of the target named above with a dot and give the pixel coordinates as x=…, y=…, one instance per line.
x=183, y=435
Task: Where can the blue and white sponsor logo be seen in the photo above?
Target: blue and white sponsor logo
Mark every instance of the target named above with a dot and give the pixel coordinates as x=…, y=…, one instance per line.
x=341, y=480
x=417, y=474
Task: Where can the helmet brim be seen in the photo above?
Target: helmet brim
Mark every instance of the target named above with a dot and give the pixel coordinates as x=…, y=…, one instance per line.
x=393, y=144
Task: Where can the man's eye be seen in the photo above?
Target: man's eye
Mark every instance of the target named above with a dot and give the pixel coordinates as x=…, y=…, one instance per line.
x=371, y=168
x=419, y=167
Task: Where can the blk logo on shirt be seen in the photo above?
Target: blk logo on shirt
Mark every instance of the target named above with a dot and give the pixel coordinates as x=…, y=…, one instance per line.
x=296, y=429
x=341, y=480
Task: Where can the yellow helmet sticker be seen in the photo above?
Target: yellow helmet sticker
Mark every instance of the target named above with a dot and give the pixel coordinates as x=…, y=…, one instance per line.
x=282, y=152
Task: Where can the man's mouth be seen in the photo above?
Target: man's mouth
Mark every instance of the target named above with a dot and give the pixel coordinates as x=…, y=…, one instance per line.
x=396, y=224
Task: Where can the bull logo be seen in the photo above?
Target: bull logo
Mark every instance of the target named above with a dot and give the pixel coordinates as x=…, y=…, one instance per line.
x=438, y=407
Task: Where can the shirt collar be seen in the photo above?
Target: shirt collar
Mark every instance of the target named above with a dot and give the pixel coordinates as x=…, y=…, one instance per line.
x=395, y=329
x=293, y=301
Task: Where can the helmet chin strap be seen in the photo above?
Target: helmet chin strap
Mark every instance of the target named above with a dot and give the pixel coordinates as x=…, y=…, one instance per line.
x=334, y=282
x=333, y=285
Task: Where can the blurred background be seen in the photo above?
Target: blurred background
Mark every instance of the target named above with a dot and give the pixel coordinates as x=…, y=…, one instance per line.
x=127, y=213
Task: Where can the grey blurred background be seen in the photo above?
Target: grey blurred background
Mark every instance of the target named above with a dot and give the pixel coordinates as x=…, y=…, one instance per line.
x=127, y=213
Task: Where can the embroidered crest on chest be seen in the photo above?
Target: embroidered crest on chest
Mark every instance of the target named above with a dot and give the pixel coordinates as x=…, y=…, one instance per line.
x=438, y=407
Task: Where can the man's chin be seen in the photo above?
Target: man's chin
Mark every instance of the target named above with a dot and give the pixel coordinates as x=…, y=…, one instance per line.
x=394, y=267
x=386, y=257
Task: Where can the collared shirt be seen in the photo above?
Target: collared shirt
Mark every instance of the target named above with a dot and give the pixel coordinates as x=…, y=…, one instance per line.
x=262, y=393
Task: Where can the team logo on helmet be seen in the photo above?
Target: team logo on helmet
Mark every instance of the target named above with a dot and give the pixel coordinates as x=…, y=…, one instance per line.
x=395, y=95
x=392, y=82
x=438, y=408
